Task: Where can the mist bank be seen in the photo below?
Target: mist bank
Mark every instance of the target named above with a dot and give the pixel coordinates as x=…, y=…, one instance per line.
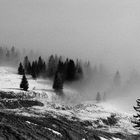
x=112, y=83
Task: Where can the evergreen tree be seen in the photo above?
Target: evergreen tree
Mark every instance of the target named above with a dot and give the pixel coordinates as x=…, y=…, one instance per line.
x=24, y=83
x=58, y=81
x=26, y=64
x=71, y=70
x=60, y=67
x=51, y=67
x=65, y=68
x=56, y=60
x=36, y=68
x=1, y=53
x=40, y=65
x=79, y=70
x=33, y=70
x=98, y=97
x=117, y=79
x=44, y=67
x=20, y=69
x=137, y=117
x=28, y=71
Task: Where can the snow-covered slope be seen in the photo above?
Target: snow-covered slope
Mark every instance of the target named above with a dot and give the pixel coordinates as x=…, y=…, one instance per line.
x=94, y=115
x=10, y=80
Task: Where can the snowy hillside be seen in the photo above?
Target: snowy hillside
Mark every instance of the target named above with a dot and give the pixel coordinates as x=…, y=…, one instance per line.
x=42, y=109
x=10, y=80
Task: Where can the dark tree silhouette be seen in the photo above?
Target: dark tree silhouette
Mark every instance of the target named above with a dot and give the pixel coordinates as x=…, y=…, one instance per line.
x=58, y=81
x=20, y=69
x=44, y=68
x=40, y=65
x=1, y=53
x=79, y=70
x=33, y=70
x=137, y=117
x=70, y=70
x=24, y=83
x=26, y=64
x=36, y=69
x=29, y=68
x=60, y=67
x=51, y=67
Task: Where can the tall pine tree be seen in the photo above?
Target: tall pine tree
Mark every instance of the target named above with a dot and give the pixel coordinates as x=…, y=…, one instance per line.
x=33, y=70
x=20, y=69
x=71, y=70
x=24, y=83
x=58, y=82
x=26, y=64
x=137, y=117
x=51, y=67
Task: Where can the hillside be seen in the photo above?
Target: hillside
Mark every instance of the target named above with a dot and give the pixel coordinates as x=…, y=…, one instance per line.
x=42, y=114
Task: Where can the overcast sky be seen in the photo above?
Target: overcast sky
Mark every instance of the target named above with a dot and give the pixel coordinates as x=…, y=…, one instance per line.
x=107, y=29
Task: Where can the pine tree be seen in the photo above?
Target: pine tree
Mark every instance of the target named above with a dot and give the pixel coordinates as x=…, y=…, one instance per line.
x=28, y=71
x=44, y=67
x=1, y=53
x=51, y=66
x=98, y=97
x=117, y=79
x=71, y=70
x=58, y=82
x=20, y=69
x=26, y=64
x=60, y=67
x=41, y=66
x=36, y=68
x=137, y=117
x=33, y=70
x=79, y=70
x=24, y=83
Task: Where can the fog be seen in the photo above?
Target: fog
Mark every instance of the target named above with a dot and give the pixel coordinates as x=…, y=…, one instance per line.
x=107, y=31
x=100, y=31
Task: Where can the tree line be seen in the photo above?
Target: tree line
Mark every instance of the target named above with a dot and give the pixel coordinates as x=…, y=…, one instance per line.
x=9, y=56
x=55, y=68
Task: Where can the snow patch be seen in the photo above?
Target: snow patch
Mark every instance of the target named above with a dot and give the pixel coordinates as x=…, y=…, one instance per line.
x=103, y=138
x=55, y=132
x=30, y=123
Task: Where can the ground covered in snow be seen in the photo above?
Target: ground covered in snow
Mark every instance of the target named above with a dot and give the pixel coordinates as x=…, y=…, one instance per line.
x=42, y=114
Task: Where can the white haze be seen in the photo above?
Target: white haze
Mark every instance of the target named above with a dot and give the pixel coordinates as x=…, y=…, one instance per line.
x=102, y=31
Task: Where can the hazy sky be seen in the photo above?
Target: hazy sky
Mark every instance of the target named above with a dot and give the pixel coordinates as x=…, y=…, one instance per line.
x=107, y=29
